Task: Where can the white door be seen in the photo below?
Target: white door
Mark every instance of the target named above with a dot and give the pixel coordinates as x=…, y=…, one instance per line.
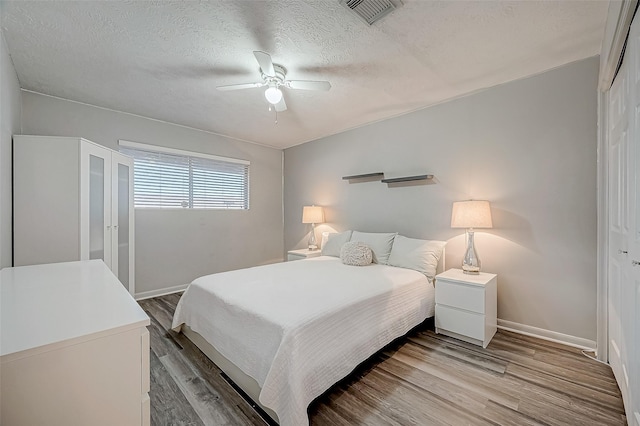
x=122, y=220
x=618, y=217
x=630, y=290
x=95, y=202
x=624, y=227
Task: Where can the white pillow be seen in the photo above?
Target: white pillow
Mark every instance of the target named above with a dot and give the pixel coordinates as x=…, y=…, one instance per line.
x=419, y=255
x=355, y=254
x=325, y=236
x=334, y=243
x=379, y=243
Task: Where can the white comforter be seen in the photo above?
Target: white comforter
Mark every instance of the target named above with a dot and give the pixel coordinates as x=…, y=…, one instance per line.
x=299, y=327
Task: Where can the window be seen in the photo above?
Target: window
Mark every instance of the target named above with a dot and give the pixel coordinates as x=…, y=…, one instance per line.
x=172, y=178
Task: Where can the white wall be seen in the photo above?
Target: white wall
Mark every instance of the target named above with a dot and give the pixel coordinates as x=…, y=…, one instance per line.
x=528, y=146
x=175, y=246
x=10, y=109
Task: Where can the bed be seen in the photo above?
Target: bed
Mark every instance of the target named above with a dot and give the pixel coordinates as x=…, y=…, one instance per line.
x=287, y=332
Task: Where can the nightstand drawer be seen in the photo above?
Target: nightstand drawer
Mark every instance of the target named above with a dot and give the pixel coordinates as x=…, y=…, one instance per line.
x=465, y=323
x=467, y=297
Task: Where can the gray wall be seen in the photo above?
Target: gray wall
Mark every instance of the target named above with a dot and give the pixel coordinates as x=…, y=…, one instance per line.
x=10, y=108
x=175, y=246
x=528, y=146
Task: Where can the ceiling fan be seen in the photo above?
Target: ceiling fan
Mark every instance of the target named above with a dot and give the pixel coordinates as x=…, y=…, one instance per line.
x=274, y=76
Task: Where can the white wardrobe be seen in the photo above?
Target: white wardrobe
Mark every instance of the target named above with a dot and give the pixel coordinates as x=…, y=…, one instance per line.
x=73, y=200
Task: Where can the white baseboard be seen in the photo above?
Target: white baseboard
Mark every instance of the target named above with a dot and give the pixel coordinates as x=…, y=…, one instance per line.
x=160, y=292
x=552, y=336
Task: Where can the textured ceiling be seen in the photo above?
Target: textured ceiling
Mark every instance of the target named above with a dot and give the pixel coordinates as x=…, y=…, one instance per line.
x=163, y=59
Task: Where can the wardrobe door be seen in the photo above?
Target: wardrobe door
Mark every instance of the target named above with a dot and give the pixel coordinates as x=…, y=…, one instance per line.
x=122, y=214
x=95, y=202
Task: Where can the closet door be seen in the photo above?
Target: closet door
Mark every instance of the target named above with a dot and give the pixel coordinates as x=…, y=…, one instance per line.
x=630, y=303
x=122, y=215
x=618, y=216
x=624, y=227
x=95, y=202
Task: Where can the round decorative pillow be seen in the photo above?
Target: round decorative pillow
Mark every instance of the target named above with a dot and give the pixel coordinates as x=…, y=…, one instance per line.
x=356, y=253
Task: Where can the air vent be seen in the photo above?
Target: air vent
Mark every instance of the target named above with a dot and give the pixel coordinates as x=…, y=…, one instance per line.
x=371, y=10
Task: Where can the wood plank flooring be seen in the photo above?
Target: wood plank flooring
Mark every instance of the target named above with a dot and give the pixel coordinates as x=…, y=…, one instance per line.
x=421, y=379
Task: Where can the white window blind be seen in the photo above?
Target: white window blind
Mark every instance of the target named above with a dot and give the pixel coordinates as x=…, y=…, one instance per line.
x=170, y=178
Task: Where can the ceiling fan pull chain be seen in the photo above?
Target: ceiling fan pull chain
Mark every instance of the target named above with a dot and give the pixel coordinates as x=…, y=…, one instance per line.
x=276, y=116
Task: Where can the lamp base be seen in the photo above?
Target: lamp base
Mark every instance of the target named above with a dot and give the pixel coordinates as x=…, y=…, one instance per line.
x=470, y=270
x=313, y=245
x=471, y=261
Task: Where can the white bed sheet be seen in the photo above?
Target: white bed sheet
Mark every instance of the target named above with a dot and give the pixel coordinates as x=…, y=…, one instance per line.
x=299, y=327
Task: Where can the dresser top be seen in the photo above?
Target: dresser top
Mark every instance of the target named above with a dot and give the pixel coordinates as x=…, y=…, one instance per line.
x=47, y=304
x=474, y=279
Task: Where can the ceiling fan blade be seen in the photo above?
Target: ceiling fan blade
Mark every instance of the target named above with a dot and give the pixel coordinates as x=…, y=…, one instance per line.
x=281, y=106
x=264, y=60
x=239, y=86
x=308, y=85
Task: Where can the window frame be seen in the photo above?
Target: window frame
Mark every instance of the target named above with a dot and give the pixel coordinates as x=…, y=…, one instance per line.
x=189, y=155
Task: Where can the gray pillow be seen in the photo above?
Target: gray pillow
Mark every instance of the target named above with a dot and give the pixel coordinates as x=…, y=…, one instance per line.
x=380, y=244
x=355, y=254
x=334, y=243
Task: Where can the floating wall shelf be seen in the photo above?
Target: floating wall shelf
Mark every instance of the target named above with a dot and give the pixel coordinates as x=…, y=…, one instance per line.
x=364, y=176
x=407, y=179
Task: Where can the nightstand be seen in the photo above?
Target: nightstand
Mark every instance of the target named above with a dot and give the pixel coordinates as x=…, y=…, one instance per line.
x=302, y=254
x=466, y=306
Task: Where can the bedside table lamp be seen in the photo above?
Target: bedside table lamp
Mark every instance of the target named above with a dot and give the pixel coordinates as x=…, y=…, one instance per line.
x=312, y=215
x=471, y=214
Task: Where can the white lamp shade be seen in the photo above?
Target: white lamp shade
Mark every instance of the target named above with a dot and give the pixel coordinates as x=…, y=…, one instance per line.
x=471, y=214
x=273, y=95
x=312, y=214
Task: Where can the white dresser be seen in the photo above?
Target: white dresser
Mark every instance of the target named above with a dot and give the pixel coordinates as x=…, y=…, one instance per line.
x=74, y=347
x=466, y=306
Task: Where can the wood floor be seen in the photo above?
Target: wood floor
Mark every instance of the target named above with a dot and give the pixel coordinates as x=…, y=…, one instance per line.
x=421, y=379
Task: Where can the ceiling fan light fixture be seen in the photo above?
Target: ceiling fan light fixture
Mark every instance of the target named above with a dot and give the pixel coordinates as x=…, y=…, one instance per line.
x=273, y=95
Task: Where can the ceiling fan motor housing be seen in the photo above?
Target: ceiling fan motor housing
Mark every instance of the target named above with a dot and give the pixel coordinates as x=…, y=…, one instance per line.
x=278, y=79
